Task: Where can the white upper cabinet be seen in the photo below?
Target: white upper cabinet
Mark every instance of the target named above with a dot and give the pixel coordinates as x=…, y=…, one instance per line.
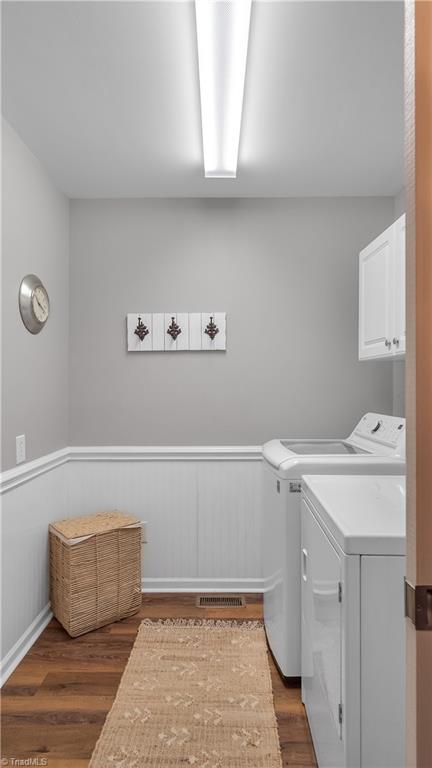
x=376, y=296
x=382, y=295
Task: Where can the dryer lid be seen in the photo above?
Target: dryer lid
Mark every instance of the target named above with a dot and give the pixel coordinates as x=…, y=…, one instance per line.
x=364, y=514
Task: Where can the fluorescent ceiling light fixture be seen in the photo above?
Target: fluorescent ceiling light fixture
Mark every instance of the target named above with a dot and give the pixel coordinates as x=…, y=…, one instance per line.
x=223, y=35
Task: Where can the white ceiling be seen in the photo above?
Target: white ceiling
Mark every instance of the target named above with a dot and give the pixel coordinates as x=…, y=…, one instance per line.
x=106, y=95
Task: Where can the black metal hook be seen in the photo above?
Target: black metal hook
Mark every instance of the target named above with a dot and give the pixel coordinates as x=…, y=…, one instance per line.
x=211, y=328
x=141, y=330
x=174, y=330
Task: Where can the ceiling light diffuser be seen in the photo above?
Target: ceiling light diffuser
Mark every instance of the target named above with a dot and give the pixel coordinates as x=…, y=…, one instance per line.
x=223, y=35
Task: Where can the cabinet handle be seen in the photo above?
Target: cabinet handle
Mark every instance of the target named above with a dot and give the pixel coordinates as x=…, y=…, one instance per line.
x=387, y=343
x=396, y=341
x=304, y=564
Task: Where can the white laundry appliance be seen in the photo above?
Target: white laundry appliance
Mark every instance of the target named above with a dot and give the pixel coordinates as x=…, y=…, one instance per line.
x=376, y=446
x=353, y=626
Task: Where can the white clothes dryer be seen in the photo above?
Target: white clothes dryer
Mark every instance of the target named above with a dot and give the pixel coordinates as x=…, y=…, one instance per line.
x=353, y=619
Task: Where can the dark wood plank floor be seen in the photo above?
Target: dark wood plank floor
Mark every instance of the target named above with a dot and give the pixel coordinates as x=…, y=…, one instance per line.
x=55, y=703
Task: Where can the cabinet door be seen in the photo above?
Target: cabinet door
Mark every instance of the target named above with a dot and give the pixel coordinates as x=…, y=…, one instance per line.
x=399, y=323
x=321, y=641
x=376, y=297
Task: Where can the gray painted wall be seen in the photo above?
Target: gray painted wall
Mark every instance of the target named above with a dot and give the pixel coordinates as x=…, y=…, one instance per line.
x=399, y=388
x=34, y=368
x=400, y=203
x=285, y=271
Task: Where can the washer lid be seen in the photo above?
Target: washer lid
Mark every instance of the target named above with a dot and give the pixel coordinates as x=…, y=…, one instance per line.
x=280, y=453
x=321, y=447
x=376, y=435
x=365, y=514
x=304, y=455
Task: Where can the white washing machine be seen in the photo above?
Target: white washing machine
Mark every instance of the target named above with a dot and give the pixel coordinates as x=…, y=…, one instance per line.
x=376, y=446
x=353, y=626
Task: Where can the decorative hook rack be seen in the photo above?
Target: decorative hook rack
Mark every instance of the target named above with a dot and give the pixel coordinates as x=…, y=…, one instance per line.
x=174, y=330
x=141, y=330
x=211, y=328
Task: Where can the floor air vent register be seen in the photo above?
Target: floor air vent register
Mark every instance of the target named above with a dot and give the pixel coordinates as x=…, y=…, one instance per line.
x=220, y=601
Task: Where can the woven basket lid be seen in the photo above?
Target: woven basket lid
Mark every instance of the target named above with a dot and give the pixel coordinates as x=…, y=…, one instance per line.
x=91, y=524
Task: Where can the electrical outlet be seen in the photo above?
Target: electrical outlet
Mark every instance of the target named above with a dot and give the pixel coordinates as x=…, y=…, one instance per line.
x=20, y=449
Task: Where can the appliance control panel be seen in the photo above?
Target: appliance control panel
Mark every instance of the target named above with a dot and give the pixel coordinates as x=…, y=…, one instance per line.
x=378, y=428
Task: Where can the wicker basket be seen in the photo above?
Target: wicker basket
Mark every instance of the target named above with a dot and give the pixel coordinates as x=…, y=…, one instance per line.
x=95, y=566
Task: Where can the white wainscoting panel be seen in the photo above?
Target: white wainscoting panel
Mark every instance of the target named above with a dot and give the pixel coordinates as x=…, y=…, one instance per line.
x=161, y=493
x=27, y=509
x=203, y=516
x=202, y=506
x=229, y=522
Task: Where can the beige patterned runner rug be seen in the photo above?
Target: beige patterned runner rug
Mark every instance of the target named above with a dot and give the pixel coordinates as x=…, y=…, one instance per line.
x=194, y=693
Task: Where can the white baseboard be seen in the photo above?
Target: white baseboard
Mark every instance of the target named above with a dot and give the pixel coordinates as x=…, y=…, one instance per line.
x=24, y=643
x=202, y=585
